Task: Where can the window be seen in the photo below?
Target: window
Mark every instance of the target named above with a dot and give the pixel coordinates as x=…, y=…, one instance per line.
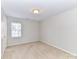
x=16, y=29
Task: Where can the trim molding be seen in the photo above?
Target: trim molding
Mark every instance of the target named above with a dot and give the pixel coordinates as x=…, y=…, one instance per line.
x=20, y=43
x=59, y=48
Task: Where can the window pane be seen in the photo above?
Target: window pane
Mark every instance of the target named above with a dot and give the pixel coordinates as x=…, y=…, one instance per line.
x=15, y=29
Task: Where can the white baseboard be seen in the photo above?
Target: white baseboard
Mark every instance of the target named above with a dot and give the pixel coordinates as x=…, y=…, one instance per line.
x=19, y=43
x=59, y=48
x=46, y=43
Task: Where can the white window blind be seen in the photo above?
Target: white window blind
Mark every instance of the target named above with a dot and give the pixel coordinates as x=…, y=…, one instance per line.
x=16, y=29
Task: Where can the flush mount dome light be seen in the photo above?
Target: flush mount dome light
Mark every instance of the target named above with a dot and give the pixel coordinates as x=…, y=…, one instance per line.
x=36, y=11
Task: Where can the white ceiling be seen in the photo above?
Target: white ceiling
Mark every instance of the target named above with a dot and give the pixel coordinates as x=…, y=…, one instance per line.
x=48, y=8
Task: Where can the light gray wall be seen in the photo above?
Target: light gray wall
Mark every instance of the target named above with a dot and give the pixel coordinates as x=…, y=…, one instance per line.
x=61, y=31
x=30, y=31
x=3, y=32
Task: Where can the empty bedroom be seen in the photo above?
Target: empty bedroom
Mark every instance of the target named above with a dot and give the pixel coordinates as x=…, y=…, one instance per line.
x=38, y=29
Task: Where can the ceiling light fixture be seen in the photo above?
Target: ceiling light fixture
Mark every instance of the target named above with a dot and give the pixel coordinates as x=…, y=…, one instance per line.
x=35, y=11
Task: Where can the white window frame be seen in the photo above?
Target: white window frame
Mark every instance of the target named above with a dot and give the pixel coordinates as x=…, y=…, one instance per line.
x=15, y=30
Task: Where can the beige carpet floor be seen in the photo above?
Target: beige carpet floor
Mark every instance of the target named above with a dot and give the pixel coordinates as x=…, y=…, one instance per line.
x=36, y=50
